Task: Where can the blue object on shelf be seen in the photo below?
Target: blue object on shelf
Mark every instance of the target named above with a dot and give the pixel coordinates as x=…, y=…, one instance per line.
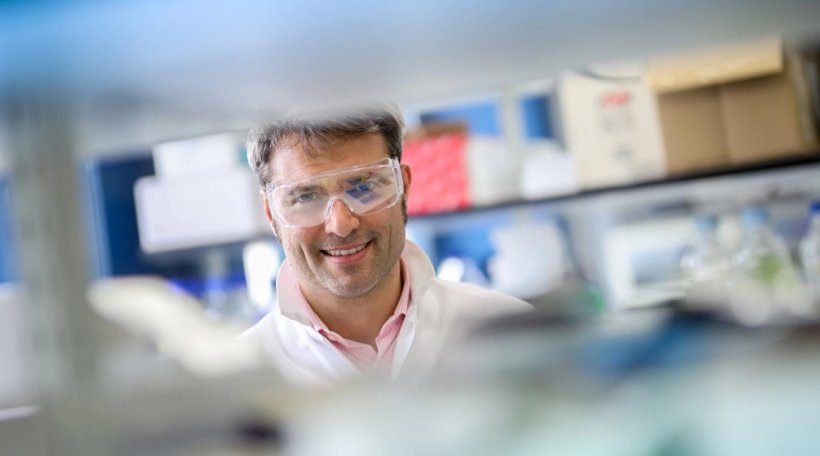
x=536, y=117
x=481, y=118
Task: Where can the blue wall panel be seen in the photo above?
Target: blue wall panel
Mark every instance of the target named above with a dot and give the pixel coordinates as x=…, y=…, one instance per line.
x=113, y=210
x=112, y=194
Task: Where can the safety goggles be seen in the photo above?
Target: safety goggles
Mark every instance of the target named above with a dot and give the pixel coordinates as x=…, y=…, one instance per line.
x=364, y=189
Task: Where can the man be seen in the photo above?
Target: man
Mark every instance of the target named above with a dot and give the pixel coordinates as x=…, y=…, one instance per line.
x=353, y=295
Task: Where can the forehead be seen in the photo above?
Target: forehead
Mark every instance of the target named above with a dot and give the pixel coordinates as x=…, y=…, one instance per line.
x=294, y=162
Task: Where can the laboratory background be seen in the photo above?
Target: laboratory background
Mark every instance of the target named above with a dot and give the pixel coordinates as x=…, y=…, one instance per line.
x=645, y=174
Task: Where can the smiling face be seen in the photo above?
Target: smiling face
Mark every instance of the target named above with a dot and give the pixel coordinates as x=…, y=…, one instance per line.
x=348, y=255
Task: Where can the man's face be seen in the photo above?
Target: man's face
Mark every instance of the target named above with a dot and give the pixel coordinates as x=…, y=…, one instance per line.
x=326, y=257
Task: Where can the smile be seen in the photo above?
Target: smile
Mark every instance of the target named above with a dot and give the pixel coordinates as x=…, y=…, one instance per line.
x=347, y=251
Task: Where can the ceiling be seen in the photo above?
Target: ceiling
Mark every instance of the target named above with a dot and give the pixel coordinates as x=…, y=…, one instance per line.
x=141, y=72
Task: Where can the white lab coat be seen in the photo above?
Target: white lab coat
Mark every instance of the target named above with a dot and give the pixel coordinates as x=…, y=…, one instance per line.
x=439, y=313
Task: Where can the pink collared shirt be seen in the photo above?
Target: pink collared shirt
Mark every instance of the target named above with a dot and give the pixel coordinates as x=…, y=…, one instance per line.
x=364, y=356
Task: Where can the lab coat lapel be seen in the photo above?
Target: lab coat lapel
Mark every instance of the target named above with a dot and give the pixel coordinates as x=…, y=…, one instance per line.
x=419, y=339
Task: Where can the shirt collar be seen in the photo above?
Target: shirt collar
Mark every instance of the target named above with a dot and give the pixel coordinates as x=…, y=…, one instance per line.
x=293, y=305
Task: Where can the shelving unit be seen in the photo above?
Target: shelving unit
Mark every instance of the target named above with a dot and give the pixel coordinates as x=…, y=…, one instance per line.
x=138, y=73
x=759, y=180
x=588, y=218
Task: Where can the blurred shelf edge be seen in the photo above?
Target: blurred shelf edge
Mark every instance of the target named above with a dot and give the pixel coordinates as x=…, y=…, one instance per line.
x=675, y=189
x=766, y=169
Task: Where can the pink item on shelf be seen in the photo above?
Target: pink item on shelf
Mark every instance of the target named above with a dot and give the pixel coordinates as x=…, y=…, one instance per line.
x=439, y=168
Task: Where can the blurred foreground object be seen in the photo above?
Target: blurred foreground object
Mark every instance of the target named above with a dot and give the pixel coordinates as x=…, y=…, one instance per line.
x=149, y=308
x=649, y=382
x=15, y=356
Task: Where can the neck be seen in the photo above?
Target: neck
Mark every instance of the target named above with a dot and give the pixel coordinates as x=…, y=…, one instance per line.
x=361, y=318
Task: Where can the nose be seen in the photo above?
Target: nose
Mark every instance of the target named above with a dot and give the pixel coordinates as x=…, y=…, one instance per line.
x=340, y=221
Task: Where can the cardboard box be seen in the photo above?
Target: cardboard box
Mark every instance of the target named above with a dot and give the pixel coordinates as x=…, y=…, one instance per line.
x=610, y=127
x=692, y=131
x=736, y=105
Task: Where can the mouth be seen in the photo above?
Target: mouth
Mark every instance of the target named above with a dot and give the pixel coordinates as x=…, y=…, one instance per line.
x=345, y=252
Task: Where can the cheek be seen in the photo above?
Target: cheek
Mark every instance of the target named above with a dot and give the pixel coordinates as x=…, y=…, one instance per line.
x=298, y=241
x=394, y=224
x=288, y=240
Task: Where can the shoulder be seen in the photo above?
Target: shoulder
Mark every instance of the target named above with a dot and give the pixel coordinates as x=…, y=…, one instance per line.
x=455, y=298
x=476, y=300
x=262, y=331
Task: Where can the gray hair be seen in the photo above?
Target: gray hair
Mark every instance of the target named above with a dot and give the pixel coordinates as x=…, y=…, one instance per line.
x=315, y=133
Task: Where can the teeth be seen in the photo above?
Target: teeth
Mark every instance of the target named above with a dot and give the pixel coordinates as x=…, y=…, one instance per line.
x=347, y=252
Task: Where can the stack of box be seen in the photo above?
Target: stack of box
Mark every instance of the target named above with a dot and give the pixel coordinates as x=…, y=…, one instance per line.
x=739, y=105
x=732, y=106
x=203, y=194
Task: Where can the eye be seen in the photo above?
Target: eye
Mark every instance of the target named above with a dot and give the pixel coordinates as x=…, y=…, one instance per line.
x=301, y=198
x=365, y=186
x=306, y=197
x=361, y=185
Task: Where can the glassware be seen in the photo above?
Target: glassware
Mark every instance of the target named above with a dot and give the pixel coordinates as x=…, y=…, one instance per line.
x=810, y=253
x=706, y=264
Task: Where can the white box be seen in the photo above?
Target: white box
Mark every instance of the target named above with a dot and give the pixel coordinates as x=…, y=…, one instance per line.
x=611, y=128
x=197, y=156
x=191, y=212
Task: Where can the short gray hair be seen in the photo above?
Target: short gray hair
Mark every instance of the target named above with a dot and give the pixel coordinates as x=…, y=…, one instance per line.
x=314, y=133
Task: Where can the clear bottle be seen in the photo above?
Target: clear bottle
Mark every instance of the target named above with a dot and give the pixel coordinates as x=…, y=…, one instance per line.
x=706, y=264
x=766, y=285
x=810, y=253
x=707, y=259
x=763, y=255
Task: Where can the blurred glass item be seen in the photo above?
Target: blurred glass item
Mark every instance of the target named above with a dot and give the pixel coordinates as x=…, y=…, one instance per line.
x=451, y=269
x=706, y=264
x=763, y=254
x=530, y=259
x=261, y=260
x=810, y=253
x=766, y=287
x=455, y=269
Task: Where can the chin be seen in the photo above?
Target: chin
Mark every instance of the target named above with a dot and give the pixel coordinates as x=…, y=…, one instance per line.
x=351, y=290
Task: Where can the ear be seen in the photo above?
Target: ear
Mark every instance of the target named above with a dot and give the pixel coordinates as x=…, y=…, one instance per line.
x=268, y=214
x=265, y=206
x=407, y=177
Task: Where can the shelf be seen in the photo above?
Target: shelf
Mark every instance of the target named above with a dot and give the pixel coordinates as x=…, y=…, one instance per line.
x=775, y=171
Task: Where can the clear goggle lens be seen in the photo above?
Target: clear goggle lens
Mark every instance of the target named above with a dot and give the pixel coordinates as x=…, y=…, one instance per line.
x=363, y=188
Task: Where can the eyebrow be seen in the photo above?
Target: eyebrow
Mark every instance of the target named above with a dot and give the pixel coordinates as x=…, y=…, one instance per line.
x=379, y=171
x=303, y=189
